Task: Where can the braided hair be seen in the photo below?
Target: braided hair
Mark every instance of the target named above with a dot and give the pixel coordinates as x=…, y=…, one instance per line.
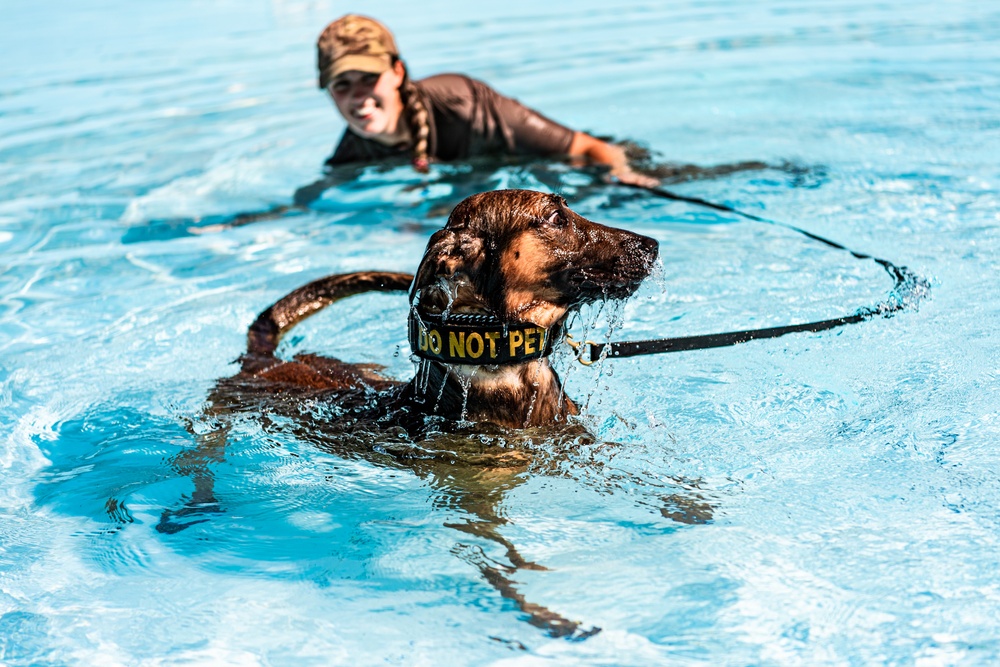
x=416, y=116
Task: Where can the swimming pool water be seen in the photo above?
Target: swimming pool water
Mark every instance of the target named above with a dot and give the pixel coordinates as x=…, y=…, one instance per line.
x=819, y=499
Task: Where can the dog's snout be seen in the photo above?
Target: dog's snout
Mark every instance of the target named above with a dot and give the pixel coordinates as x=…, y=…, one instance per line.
x=625, y=244
x=636, y=249
x=612, y=263
x=652, y=247
x=645, y=247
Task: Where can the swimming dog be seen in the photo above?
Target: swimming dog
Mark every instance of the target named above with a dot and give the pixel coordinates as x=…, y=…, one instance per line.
x=487, y=305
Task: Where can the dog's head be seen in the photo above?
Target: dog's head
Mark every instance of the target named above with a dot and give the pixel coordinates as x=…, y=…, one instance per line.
x=526, y=257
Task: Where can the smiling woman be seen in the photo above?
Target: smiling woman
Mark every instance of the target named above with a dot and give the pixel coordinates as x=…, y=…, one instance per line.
x=445, y=117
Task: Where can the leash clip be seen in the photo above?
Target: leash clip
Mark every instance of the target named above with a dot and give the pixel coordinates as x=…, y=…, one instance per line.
x=576, y=345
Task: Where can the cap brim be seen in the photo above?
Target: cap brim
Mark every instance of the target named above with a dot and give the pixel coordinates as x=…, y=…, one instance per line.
x=358, y=63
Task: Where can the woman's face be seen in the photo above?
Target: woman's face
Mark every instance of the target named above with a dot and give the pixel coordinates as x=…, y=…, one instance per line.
x=370, y=103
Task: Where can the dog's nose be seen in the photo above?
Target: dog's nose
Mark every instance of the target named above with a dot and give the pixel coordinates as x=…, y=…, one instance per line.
x=643, y=248
x=650, y=246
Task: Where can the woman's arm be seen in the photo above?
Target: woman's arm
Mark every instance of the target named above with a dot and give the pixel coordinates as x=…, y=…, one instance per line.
x=601, y=152
x=528, y=131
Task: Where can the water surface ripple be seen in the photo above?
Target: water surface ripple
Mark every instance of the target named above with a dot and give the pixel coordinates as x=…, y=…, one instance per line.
x=818, y=499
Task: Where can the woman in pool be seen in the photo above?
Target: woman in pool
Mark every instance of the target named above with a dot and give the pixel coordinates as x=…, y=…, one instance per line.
x=445, y=117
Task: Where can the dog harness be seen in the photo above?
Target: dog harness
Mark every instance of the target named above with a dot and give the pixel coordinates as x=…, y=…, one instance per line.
x=478, y=340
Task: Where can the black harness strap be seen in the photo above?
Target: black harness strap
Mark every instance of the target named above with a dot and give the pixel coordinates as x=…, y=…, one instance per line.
x=478, y=340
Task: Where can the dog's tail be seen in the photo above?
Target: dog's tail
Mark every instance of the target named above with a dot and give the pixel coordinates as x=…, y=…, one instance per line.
x=266, y=331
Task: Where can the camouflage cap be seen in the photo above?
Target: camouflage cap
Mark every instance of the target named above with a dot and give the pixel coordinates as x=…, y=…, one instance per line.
x=354, y=42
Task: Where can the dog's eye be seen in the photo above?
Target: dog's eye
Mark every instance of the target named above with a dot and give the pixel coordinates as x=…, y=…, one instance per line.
x=556, y=219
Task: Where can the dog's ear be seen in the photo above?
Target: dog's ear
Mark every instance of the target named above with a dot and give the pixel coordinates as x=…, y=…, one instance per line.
x=448, y=254
x=452, y=256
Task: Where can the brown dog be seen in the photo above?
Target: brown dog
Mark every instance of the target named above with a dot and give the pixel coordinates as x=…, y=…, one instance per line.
x=488, y=303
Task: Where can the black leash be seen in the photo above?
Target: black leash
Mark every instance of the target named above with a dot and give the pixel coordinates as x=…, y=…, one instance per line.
x=907, y=290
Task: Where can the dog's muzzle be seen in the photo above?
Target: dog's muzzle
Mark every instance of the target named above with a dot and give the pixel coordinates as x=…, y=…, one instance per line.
x=614, y=265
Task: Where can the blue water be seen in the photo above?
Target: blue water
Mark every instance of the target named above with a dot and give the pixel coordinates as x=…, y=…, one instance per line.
x=850, y=476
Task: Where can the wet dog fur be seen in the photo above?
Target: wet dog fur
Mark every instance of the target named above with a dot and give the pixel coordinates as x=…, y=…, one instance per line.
x=522, y=256
x=519, y=255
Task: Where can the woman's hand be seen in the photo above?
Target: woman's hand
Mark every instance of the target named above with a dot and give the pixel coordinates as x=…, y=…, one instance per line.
x=601, y=152
x=626, y=176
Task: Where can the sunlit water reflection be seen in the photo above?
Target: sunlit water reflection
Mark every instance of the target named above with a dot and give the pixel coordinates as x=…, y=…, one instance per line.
x=819, y=499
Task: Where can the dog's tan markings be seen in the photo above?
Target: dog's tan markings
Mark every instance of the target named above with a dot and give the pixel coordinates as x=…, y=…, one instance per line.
x=530, y=296
x=526, y=261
